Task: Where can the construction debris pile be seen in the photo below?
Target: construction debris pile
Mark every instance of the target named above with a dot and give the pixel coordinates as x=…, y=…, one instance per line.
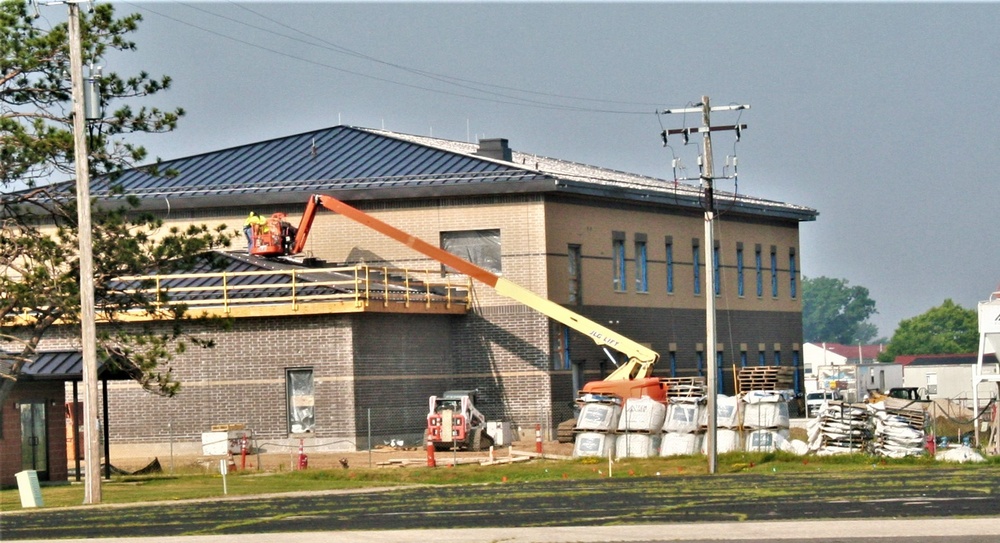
x=881, y=429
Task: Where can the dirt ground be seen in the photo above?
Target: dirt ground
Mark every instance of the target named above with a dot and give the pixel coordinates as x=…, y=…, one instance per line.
x=382, y=456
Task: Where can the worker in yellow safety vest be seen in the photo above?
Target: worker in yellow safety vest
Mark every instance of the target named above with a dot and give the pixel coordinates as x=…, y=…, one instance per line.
x=250, y=226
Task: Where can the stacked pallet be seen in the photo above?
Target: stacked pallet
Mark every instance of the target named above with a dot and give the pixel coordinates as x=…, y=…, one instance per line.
x=684, y=387
x=841, y=428
x=765, y=378
x=899, y=427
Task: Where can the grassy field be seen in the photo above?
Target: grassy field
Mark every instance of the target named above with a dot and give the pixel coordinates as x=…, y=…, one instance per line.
x=191, y=483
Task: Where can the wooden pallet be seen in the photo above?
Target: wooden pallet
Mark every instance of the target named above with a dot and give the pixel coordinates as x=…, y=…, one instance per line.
x=684, y=387
x=765, y=378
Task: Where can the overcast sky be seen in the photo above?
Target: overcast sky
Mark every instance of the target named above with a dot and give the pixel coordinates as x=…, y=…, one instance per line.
x=883, y=117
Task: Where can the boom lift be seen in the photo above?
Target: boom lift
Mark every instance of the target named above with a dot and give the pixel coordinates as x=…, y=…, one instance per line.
x=633, y=379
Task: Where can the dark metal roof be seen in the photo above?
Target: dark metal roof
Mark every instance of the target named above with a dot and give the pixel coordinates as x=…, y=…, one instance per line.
x=332, y=159
x=364, y=164
x=63, y=366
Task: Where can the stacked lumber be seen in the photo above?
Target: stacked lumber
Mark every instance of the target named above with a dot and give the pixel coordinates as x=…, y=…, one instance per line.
x=765, y=378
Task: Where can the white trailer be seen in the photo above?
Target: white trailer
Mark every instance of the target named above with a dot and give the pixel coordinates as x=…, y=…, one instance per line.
x=852, y=382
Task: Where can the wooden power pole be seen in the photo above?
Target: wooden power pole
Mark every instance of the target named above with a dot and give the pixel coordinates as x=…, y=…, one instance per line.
x=88, y=332
x=707, y=177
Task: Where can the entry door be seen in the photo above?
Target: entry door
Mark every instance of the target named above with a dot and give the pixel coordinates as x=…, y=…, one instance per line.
x=34, y=445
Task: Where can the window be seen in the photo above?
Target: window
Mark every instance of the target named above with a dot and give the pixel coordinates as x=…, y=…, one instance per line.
x=641, y=277
x=575, y=271
x=670, y=265
x=774, y=271
x=301, y=402
x=777, y=358
x=673, y=363
x=560, y=346
x=739, y=269
x=618, y=260
x=760, y=271
x=762, y=359
x=701, y=363
x=696, y=260
x=716, y=266
x=743, y=358
x=720, y=374
x=481, y=247
x=791, y=273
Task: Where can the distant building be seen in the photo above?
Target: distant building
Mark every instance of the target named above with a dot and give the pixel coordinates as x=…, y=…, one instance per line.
x=818, y=354
x=948, y=376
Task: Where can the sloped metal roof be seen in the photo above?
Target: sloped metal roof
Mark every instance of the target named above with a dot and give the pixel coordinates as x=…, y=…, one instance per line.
x=360, y=163
x=338, y=158
x=63, y=366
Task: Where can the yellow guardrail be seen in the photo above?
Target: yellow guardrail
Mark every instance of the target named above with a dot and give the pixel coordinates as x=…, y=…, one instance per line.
x=360, y=285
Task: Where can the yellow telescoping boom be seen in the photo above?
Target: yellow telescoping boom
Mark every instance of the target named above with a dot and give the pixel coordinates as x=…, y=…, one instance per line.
x=631, y=379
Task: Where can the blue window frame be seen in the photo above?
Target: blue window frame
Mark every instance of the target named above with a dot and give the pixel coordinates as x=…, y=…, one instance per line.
x=777, y=358
x=641, y=276
x=719, y=373
x=739, y=270
x=673, y=363
x=701, y=363
x=762, y=359
x=716, y=268
x=670, y=267
x=774, y=272
x=696, y=259
x=792, y=287
x=760, y=272
x=743, y=359
x=618, y=251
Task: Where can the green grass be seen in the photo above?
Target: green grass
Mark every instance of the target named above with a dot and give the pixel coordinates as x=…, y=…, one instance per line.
x=132, y=489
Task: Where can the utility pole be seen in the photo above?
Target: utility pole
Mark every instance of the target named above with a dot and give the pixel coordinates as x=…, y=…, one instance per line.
x=707, y=177
x=88, y=332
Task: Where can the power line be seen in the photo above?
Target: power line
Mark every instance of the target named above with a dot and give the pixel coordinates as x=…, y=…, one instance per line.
x=498, y=97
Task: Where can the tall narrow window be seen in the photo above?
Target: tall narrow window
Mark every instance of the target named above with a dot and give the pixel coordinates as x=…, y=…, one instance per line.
x=739, y=269
x=720, y=374
x=575, y=264
x=762, y=359
x=743, y=358
x=560, y=346
x=696, y=260
x=760, y=271
x=774, y=271
x=777, y=358
x=792, y=286
x=301, y=401
x=670, y=264
x=673, y=363
x=618, y=260
x=701, y=363
x=797, y=381
x=716, y=270
x=641, y=277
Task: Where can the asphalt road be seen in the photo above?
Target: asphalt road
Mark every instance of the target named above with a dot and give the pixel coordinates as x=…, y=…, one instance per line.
x=696, y=508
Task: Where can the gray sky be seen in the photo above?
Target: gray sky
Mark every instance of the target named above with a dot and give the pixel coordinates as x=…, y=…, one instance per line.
x=883, y=117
